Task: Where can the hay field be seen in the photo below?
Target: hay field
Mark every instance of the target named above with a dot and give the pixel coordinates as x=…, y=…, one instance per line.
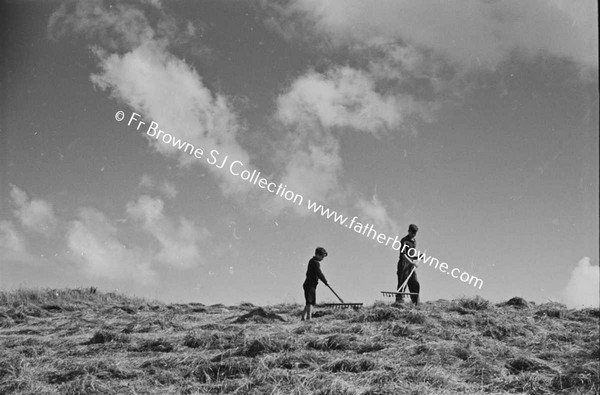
x=78, y=341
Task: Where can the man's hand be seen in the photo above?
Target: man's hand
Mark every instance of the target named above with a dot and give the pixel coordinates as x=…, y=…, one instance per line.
x=409, y=259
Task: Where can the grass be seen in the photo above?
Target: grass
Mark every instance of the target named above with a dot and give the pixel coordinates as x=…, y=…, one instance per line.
x=82, y=341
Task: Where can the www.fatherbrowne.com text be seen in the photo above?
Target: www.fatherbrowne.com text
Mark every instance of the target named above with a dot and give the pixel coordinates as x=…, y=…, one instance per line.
x=253, y=176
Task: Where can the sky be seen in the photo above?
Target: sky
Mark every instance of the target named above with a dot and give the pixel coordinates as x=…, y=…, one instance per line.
x=478, y=123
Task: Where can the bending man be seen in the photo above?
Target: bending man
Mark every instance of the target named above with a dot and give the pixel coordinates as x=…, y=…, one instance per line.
x=406, y=264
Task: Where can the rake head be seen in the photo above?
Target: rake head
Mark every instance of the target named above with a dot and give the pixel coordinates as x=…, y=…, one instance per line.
x=342, y=305
x=393, y=294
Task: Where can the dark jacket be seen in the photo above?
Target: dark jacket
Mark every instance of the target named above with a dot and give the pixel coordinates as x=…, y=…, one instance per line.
x=410, y=243
x=314, y=273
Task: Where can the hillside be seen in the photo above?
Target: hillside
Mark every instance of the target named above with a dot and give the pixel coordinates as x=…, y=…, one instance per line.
x=80, y=341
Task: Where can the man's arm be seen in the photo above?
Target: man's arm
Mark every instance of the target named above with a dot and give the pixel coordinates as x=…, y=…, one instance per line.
x=407, y=246
x=320, y=274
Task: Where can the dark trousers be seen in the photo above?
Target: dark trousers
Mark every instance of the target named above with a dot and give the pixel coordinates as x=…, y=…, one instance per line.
x=404, y=269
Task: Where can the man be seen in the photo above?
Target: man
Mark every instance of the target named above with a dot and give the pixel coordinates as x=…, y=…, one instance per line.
x=406, y=263
x=313, y=274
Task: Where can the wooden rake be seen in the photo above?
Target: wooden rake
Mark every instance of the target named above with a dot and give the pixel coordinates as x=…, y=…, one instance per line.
x=392, y=294
x=342, y=304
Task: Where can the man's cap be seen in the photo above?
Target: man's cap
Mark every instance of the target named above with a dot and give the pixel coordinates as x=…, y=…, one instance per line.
x=413, y=228
x=320, y=251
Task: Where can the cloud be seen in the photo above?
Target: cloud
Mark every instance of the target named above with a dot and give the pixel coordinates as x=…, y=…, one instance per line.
x=13, y=245
x=94, y=242
x=121, y=26
x=476, y=33
x=342, y=97
x=583, y=288
x=118, y=27
x=167, y=188
x=319, y=108
x=408, y=59
x=36, y=214
x=312, y=170
x=178, y=243
x=419, y=78
x=168, y=91
x=146, y=181
x=92, y=238
x=376, y=212
x=132, y=44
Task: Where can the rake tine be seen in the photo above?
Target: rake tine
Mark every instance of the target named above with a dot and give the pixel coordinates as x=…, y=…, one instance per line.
x=342, y=305
x=391, y=294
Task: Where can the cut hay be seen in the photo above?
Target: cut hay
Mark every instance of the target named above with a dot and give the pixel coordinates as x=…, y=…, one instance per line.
x=517, y=302
x=258, y=315
x=156, y=345
x=351, y=365
x=96, y=343
x=101, y=337
x=332, y=342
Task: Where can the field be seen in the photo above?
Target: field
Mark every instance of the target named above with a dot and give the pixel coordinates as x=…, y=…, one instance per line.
x=79, y=341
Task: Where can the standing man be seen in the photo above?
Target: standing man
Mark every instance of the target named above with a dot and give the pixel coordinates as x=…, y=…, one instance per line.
x=406, y=263
x=313, y=274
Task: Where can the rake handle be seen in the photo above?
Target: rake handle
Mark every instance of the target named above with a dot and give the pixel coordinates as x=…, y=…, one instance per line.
x=335, y=293
x=407, y=278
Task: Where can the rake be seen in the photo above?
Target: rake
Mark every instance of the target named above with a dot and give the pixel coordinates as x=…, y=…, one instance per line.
x=342, y=305
x=392, y=294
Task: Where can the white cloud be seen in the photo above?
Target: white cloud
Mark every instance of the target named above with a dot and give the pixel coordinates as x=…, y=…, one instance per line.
x=474, y=33
x=409, y=57
x=168, y=91
x=139, y=70
x=313, y=171
x=12, y=245
x=167, y=188
x=116, y=27
x=35, y=214
x=376, y=212
x=583, y=288
x=147, y=181
x=343, y=97
x=315, y=112
x=93, y=242
x=178, y=243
